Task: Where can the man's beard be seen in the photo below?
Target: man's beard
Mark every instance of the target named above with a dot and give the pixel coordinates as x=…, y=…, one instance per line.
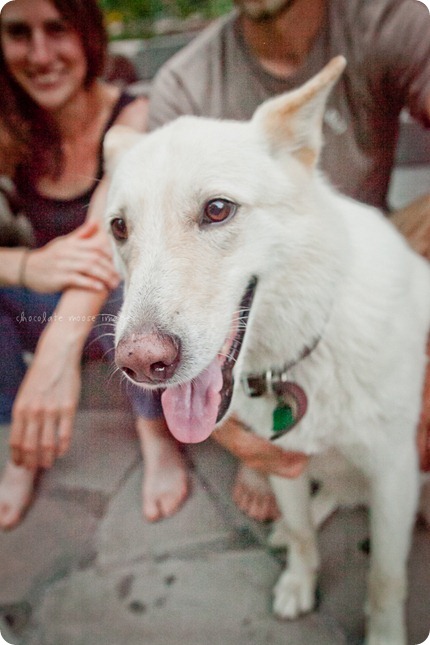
x=263, y=10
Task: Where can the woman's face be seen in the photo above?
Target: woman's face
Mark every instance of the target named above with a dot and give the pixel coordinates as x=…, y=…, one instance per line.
x=43, y=53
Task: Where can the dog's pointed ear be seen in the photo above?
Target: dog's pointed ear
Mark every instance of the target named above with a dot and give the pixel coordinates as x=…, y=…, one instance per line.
x=293, y=121
x=117, y=140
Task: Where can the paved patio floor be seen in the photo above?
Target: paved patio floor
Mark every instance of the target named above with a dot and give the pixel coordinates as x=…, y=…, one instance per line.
x=84, y=567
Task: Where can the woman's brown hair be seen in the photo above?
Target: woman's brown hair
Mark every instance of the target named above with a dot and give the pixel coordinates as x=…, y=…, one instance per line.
x=86, y=18
x=32, y=127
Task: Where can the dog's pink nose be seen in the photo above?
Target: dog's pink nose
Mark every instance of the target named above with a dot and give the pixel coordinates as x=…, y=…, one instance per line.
x=148, y=358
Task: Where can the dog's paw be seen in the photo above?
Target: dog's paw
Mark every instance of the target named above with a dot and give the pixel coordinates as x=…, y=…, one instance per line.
x=294, y=594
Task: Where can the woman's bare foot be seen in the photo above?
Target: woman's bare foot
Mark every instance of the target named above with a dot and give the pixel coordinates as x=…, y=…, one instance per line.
x=16, y=490
x=165, y=484
x=253, y=495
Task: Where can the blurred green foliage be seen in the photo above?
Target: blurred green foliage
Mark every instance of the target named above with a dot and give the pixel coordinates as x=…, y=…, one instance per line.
x=138, y=9
x=153, y=9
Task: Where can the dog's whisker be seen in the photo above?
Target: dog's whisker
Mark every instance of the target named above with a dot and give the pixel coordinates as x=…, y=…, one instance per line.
x=242, y=319
x=107, y=334
x=104, y=324
x=98, y=338
x=242, y=313
x=107, y=352
x=228, y=357
x=114, y=371
x=113, y=368
x=89, y=177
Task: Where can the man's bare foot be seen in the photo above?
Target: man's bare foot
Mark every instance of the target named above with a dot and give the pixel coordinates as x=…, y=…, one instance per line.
x=253, y=495
x=165, y=484
x=16, y=490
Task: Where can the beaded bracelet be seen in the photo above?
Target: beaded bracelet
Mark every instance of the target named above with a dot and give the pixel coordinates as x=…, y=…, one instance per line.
x=22, y=267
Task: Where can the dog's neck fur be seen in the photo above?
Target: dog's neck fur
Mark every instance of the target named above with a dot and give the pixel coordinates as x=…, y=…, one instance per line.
x=307, y=304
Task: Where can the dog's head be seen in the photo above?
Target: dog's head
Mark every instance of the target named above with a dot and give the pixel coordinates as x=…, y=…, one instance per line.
x=196, y=211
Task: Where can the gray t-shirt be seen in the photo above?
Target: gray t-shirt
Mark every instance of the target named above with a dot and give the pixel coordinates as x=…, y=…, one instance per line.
x=387, y=46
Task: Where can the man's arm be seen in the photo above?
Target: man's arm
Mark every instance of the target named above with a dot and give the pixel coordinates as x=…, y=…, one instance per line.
x=402, y=52
x=258, y=453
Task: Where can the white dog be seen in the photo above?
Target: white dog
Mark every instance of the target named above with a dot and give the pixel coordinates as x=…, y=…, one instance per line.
x=229, y=236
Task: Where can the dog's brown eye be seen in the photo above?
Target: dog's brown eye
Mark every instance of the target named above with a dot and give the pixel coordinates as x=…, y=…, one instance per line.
x=119, y=229
x=218, y=210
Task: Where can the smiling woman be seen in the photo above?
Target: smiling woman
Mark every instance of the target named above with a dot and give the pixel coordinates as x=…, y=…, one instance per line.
x=51, y=59
x=55, y=113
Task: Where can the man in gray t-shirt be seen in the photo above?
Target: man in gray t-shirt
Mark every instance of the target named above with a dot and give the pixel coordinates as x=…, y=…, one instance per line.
x=267, y=47
x=224, y=74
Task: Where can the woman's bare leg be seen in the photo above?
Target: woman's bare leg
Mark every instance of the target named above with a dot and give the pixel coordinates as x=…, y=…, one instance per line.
x=165, y=483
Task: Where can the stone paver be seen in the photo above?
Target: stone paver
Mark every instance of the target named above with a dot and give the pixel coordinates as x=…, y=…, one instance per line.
x=53, y=540
x=222, y=599
x=125, y=536
x=217, y=469
x=104, y=448
x=418, y=605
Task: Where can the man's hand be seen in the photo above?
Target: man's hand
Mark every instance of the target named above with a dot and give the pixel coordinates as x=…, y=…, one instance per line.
x=423, y=435
x=414, y=223
x=257, y=453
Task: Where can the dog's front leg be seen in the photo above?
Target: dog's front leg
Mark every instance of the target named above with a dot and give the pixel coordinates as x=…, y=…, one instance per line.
x=294, y=593
x=394, y=495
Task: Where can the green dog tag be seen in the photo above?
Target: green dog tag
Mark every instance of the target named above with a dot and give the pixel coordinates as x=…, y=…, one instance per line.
x=283, y=418
x=291, y=408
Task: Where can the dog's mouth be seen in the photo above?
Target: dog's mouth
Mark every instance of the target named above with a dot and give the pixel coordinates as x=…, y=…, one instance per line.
x=192, y=409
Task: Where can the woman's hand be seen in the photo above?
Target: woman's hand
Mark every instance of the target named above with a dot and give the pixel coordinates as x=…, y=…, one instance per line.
x=45, y=407
x=258, y=453
x=81, y=259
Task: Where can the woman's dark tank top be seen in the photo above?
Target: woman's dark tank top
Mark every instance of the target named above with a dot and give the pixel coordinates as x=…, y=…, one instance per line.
x=53, y=217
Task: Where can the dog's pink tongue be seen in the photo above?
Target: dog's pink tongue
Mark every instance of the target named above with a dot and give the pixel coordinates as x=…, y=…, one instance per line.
x=191, y=409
